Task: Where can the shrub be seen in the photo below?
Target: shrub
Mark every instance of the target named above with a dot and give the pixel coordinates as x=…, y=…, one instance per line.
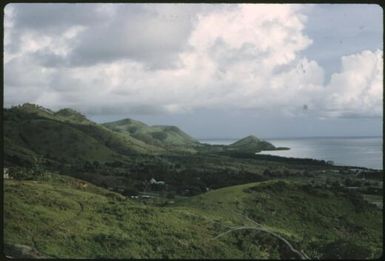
x=342, y=249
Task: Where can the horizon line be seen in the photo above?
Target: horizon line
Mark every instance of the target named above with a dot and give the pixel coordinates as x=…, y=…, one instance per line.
x=291, y=137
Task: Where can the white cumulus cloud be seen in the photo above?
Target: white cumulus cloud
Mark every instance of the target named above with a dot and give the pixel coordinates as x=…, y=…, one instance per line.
x=179, y=58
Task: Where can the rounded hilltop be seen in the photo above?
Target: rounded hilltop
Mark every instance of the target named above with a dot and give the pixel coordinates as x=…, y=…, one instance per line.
x=252, y=143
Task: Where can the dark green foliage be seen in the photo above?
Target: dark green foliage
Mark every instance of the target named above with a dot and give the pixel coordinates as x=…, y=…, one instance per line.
x=342, y=249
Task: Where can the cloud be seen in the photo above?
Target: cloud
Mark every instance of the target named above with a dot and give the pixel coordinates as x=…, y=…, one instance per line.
x=141, y=33
x=357, y=90
x=167, y=59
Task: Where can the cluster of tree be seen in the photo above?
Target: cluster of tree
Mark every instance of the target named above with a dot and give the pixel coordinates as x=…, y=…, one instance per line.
x=23, y=173
x=182, y=175
x=343, y=249
x=300, y=161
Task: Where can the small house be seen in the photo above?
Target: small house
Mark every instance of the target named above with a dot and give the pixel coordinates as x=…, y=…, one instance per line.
x=5, y=173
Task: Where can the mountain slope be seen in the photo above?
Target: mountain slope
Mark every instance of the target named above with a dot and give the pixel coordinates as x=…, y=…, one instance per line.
x=65, y=136
x=169, y=137
x=69, y=115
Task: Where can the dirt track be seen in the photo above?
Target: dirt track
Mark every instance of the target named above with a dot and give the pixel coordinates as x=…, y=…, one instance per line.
x=259, y=227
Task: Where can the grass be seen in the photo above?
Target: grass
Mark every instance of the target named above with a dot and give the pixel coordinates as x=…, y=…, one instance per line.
x=109, y=226
x=60, y=219
x=309, y=217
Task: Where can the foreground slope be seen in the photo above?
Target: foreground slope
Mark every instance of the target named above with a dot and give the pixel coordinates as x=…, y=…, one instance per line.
x=323, y=223
x=58, y=216
x=55, y=217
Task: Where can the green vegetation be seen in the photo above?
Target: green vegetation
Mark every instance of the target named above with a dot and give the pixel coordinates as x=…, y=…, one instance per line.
x=64, y=136
x=167, y=137
x=155, y=192
x=313, y=219
x=58, y=217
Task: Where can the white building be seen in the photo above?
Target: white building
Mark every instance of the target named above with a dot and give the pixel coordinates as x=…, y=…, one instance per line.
x=153, y=181
x=6, y=173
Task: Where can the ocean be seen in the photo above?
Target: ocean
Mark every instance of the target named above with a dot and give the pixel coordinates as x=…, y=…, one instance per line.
x=351, y=151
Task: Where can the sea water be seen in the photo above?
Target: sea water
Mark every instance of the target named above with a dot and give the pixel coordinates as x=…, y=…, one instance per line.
x=351, y=151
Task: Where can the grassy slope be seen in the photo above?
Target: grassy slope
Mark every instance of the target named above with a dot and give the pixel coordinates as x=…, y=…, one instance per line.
x=308, y=218
x=110, y=226
x=65, y=135
x=169, y=137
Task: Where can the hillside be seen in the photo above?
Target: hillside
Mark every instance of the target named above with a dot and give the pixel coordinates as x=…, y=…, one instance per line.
x=323, y=223
x=66, y=135
x=251, y=144
x=54, y=217
x=69, y=115
x=58, y=216
x=168, y=137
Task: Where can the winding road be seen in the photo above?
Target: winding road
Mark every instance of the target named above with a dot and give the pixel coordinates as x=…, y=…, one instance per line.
x=259, y=227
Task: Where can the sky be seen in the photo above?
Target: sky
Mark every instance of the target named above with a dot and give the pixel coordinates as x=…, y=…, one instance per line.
x=214, y=70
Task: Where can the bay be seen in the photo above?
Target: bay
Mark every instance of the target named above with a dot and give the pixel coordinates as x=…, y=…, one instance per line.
x=351, y=151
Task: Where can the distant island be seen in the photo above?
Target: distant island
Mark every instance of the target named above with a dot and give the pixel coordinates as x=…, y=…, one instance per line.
x=253, y=144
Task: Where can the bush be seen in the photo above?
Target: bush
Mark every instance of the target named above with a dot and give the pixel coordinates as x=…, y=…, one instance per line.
x=25, y=174
x=171, y=195
x=342, y=249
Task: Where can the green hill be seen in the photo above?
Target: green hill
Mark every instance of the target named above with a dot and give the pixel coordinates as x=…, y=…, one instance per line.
x=168, y=137
x=66, y=135
x=57, y=216
x=34, y=109
x=69, y=115
x=251, y=144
